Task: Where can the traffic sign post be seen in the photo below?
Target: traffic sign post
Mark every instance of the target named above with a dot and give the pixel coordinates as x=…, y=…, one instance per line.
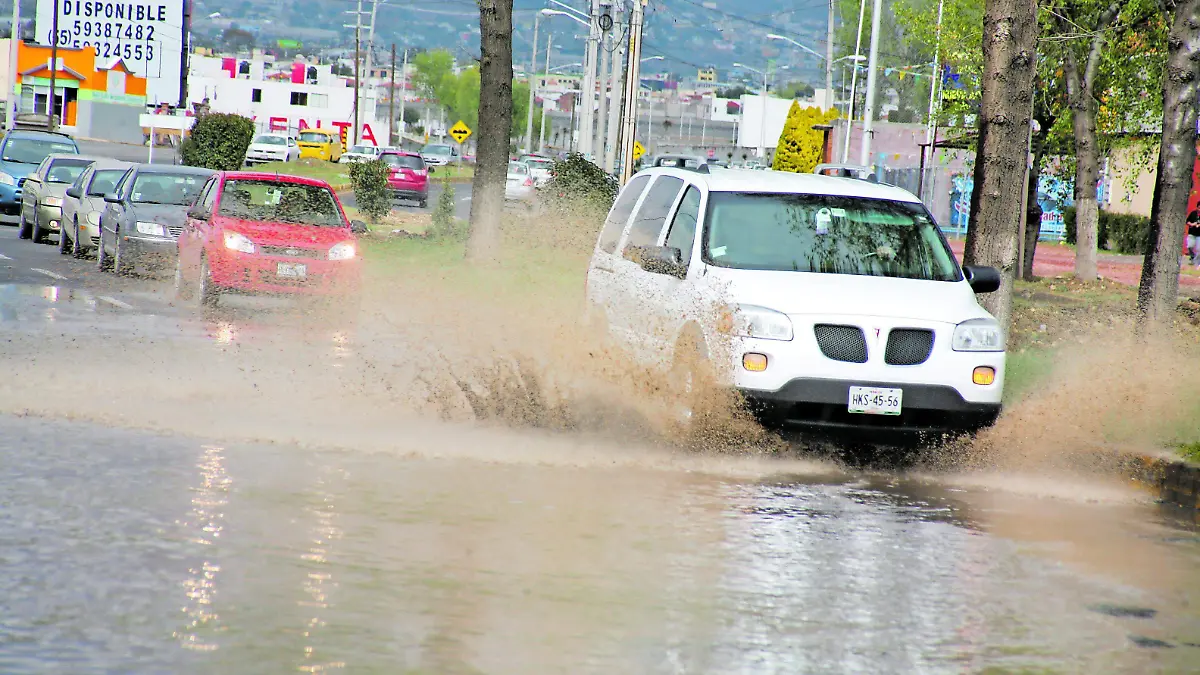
x=460, y=132
x=638, y=150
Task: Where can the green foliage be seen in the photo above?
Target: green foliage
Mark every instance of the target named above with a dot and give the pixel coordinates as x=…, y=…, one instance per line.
x=218, y=141
x=371, y=192
x=732, y=92
x=444, y=225
x=520, y=109
x=1121, y=232
x=796, y=90
x=577, y=182
x=799, y=149
x=457, y=92
x=904, y=68
x=1191, y=451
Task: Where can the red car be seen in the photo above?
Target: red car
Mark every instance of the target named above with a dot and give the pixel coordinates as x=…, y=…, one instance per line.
x=409, y=177
x=265, y=233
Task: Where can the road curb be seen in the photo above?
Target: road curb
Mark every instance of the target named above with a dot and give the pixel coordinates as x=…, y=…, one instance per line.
x=1177, y=480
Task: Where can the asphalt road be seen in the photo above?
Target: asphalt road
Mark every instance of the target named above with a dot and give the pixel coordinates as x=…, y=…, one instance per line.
x=126, y=152
x=254, y=489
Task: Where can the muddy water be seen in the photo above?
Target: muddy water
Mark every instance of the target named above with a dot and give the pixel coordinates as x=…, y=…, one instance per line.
x=248, y=492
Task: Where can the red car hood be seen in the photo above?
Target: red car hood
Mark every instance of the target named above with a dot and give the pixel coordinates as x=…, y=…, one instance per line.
x=284, y=234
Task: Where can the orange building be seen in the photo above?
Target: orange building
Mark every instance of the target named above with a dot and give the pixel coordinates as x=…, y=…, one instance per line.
x=94, y=98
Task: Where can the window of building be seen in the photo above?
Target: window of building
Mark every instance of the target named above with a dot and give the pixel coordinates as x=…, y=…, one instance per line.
x=115, y=85
x=310, y=75
x=256, y=95
x=318, y=100
x=299, y=98
x=244, y=69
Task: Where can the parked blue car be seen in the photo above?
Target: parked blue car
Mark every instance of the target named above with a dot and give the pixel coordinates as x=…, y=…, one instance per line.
x=21, y=151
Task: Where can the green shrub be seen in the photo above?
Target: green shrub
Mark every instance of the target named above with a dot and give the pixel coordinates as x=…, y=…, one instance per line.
x=1124, y=233
x=371, y=191
x=218, y=141
x=444, y=224
x=577, y=182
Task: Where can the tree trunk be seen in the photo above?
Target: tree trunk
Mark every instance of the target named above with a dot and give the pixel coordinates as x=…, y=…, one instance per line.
x=1176, y=158
x=1087, y=172
x=1009, y=48
x=1033, y=210
x=495, y=125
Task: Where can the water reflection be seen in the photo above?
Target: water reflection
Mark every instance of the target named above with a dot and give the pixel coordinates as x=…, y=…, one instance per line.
x=205, y=523
x=318, y=582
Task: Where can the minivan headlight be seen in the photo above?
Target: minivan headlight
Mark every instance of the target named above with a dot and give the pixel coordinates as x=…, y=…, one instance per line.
x=151, y=228
x=759, y=322
x=978, y=335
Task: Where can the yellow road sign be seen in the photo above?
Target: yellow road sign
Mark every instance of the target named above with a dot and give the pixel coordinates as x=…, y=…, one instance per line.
x=638, y=150
x=460, y=132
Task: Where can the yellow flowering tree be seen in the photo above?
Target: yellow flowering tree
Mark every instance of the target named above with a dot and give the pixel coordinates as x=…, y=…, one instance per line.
x=800, y=146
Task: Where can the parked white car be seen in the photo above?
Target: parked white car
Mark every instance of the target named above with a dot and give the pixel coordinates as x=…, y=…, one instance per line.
x=827, y=302
x=519, y=186
x=272, y=148
x=539, y=168
x=359, y=153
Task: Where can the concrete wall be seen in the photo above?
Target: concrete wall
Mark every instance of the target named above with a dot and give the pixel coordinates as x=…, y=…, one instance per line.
x=1138, y=198
x=109, y=122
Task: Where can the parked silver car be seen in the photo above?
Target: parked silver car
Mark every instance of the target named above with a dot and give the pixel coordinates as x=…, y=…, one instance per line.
x=84, y=202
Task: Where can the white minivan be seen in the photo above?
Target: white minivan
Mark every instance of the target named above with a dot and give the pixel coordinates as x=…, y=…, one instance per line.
x=826, y=302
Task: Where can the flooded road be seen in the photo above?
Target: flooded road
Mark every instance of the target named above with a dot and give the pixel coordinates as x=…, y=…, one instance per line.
x=248, y=492
x=132, y=552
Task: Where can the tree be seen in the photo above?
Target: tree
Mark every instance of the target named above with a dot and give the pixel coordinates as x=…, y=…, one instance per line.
x=218, y=141
x=521, y=110
x=1010, y=31
x=371, y=191
x=495, y=123
x=1177, y=156
x=796, y=90
x=800, y=146
x=732, y=92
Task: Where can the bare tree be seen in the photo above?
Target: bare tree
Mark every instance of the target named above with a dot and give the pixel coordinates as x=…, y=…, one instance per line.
x=495, y=124
x=1176, y=159
x=1081, y=71
x=1010, y=32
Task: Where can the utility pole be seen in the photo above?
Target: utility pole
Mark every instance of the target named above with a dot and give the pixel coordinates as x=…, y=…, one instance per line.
x=403, y=95
x=620, y=50
x=367, y=62
x=11, y=111
x=872, y=67
x=862, y=11
x=602, y=79
x=542, y=126
x=357, y=26
x=830, y=99
x=930, y=128
x=392, y=101
x=633, y=78
x=53, y=73
x=532, y=68
x=588, y=94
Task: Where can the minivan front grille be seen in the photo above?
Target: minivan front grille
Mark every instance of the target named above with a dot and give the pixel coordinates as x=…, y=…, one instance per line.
x=908, y=347
x=841, y=343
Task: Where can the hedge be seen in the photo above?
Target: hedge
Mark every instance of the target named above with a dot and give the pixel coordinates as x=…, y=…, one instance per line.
x=800, y=146
x=218, y=141
x=1122, y=232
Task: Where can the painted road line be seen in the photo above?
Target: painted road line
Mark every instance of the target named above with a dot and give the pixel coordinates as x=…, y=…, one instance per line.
x=114, y=302
x=4, y=257
x=48, y=273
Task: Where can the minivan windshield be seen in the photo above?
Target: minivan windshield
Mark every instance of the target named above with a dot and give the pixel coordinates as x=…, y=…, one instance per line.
x=313, y=137
x=825, y=234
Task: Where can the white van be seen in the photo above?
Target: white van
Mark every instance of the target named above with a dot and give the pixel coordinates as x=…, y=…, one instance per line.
x=827, y=302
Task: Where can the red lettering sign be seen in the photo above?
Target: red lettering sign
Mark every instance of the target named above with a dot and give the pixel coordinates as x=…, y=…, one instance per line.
x=277, y=124
x=342, y=128
x=367, y=134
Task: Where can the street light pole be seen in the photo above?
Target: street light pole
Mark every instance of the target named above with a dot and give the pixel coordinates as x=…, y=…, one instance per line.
x=542, y=126
x=872, y=83
x=829, y=97
x=633, y=80
x=532, y=67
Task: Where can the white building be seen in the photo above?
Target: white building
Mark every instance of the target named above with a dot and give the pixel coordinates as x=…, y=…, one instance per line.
x=285, y=97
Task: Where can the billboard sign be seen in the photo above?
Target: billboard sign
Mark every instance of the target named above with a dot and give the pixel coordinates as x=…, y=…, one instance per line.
x=149, y=37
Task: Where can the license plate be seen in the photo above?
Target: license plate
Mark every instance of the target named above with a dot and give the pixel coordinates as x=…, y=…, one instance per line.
x=875, y=400
x=291, y=270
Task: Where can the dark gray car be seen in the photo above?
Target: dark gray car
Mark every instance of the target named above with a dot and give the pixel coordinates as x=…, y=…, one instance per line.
x=143, y=218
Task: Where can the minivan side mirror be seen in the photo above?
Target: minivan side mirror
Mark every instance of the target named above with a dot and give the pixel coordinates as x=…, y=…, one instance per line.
x=358, y=227
x=660, y=260
x=982, y=279
x=112, y=198
x=74, y=192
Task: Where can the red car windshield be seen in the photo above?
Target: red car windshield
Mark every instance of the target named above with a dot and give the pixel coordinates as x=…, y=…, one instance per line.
x=269, y=201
